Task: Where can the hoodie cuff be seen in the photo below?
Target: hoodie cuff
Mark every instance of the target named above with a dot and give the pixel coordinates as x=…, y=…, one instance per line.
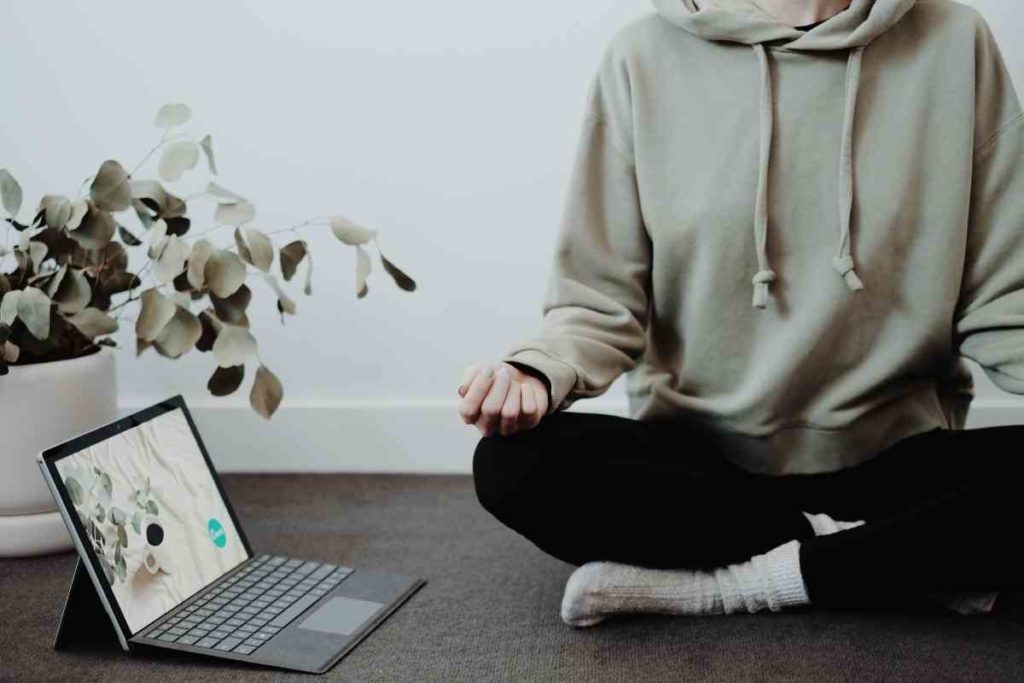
x=561, y=378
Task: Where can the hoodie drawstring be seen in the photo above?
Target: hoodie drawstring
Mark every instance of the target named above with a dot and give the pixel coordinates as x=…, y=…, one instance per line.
x=843, y=261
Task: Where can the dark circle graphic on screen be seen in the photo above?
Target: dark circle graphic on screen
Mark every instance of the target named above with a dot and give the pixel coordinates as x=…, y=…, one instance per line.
x=154, y=534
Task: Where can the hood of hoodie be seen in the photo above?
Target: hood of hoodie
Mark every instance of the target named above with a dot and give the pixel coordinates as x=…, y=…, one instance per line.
x=744, y=22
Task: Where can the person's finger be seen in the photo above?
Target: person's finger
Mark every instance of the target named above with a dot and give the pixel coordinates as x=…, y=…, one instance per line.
x=468, y=375
x=510, y=410
x=469, y=405
x=540, y=395
x=528, y=405
x=490, y=408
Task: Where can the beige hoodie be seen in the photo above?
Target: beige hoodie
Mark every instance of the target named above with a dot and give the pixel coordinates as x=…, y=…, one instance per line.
x=794, y=236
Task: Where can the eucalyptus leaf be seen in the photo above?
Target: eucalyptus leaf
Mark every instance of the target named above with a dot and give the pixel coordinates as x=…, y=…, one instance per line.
x=34, y=312
x=234, y=213
x=92, y=322
x=284, y=303
x=151, y=507
x=170, y=260
x=79, y=208
x=177, y=158
x=362, y=271
x=225, y=381
x=221, y=192
x=36, y=253
x=232, y=309
x=234, y=346
x=254, y=248
x=96, y=229
x=145, y=218
x=10, y=193
x=308, y=286
x=111, y=189
x=172, y=115
x=224, y=273
x=56, y=211
x=74, y=292
x=266, y=393
x=207, y=144
x=350, y=233
x=49, y=281
x=290, y=257
x=179, y=335
x=122, y=536
x=157, y=232
x=127, y=237
x=401, y=279
x=197, y=258
x=137, y=522
x=153, y=197
x=155, y=312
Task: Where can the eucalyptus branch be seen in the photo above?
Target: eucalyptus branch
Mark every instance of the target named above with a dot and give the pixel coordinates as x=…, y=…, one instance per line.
x=98, y=245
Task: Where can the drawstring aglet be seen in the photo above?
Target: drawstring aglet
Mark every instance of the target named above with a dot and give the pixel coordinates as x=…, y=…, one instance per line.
x=844, y=266
x=760, y=282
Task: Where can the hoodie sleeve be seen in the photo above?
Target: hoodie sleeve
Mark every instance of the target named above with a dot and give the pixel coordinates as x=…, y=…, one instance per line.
x=990, y=312
x=595, y=308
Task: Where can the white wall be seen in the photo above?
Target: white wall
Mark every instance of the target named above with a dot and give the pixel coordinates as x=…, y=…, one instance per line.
x=448, y=125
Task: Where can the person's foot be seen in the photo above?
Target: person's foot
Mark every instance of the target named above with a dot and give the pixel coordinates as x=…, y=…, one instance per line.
x=596, y=590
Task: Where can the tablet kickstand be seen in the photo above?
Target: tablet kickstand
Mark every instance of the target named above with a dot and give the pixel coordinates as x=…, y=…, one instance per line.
x=83, y=618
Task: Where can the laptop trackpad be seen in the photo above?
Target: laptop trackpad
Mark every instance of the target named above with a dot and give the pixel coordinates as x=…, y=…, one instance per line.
x=341, y=615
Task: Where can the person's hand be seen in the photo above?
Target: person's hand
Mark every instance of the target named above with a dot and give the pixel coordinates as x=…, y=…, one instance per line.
x=498, y=397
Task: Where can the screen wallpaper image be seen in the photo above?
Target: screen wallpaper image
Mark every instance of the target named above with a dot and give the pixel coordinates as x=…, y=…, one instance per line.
x=153, y=514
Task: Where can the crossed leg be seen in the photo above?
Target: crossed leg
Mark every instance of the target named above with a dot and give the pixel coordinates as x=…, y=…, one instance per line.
x=939, y=506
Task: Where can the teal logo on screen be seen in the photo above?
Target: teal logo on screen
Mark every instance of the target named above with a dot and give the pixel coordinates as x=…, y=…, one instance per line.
x=217, y=533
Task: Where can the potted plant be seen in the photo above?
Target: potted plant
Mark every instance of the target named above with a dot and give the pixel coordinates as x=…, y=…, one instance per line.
x=67, y=284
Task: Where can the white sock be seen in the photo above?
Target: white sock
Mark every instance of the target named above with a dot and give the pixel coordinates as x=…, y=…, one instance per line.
x=960, y=601
x=770, y=581
x=823, y=524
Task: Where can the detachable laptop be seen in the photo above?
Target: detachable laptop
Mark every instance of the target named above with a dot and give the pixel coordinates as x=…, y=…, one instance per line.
x=169, y=563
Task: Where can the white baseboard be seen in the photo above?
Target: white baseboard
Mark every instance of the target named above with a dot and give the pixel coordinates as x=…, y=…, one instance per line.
x=423, y=436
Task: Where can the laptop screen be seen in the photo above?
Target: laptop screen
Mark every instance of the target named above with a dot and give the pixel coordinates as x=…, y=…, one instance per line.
x=153, y=514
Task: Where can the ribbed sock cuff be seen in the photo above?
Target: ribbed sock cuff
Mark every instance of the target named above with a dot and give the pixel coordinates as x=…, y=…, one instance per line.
x=780, y=568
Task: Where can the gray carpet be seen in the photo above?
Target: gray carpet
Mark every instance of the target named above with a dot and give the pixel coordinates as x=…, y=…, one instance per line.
x=489, y=611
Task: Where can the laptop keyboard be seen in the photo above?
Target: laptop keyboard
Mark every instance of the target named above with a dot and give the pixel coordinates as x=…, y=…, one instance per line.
x=244, y=611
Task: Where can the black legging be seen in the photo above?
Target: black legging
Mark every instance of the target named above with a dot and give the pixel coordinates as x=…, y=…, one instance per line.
x=942, y=508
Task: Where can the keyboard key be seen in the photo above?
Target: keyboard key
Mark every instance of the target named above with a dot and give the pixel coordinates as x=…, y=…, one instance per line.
x=228, y=644
x=285, y=617
x=208, y=642
x=188, y=640
x=244, y=649
x=323, y=571
x=168, y=637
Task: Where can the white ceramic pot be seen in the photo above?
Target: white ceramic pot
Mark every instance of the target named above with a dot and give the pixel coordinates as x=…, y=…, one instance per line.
x=41, y=405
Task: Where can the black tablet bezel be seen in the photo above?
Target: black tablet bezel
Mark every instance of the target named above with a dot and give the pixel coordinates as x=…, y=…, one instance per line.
x=52, y=455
